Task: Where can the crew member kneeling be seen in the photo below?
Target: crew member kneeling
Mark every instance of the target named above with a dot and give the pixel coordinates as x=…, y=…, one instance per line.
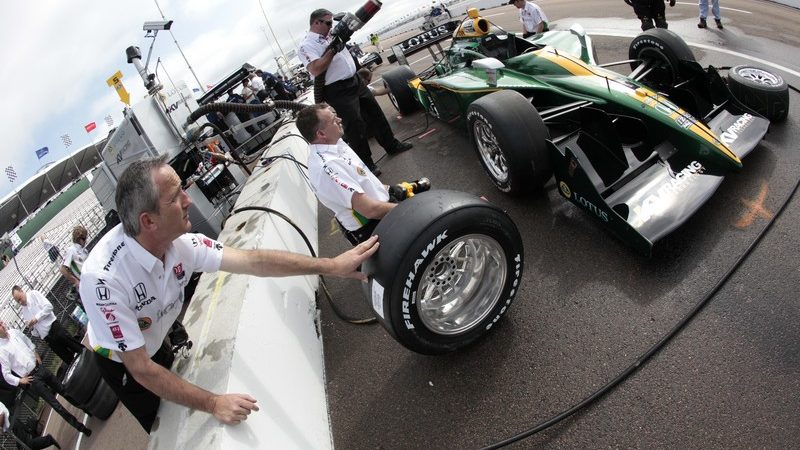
x=341, y=180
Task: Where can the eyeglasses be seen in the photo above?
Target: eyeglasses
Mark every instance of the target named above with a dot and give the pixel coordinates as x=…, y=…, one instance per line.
x=327, y=22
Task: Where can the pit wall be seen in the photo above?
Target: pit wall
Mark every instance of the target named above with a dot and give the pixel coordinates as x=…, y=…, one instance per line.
x=257, y=335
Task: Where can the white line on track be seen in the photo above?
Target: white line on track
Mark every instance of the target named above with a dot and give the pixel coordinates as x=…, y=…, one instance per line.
x=721, y=7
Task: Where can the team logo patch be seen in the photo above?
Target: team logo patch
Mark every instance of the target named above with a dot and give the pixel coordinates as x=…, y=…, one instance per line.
x=207, y=242
x=565, y=190
x=109, y=314
x=102, y=293
x=178, y=270
x=116, y=331
x=360, y=171
x=122, y=347
x=140, y=291
x=144, y=323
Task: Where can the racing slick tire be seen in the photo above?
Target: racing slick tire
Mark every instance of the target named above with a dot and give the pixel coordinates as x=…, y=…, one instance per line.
x=762, y=91
x=400, y=93
x=448, y=268
x=511, y=140
x=667, y=48
x=81, y=378
x=103, y=402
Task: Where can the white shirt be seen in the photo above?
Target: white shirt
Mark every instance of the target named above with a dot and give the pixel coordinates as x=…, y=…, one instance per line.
x=313, y=46
x=531, y=16
x=74, y=257
x=257, y=84
x=41, y=309
x=17, y=355
x=336, y=173
x=131, y=297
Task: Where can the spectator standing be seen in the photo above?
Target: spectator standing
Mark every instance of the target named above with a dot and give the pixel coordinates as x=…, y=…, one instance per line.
x=75, y=256
x=651, y=13
x=533, y=19
x=26, y=432
x=345, y=91
x=22, y=366
x=375, y=40
x=37, y=312
x=704, y=13
x=52, y=250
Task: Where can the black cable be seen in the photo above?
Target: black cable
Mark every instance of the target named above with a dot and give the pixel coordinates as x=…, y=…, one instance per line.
x=655, y=348
x=313, y=254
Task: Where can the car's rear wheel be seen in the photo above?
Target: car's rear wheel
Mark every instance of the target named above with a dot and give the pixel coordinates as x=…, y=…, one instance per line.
x=762, y=91
x=448, y=268
x=511, y=140
x=664, y=50
x=400, y=93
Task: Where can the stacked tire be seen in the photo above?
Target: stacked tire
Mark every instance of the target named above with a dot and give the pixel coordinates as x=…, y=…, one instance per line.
x=85, y=388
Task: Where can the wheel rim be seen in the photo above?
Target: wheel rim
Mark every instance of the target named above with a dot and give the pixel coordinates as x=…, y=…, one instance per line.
x=759, y=76
x=664, y=72
x=489, y=150
x=462, y=284
x=391, y=97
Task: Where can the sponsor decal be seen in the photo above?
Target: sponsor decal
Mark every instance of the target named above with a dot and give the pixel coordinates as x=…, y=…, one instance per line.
x=732, y=133
x=194, y=242
x=514, y=286
x=108, y=313
x=140, y=291
x=479, y=115
x=178, y=270
x=653, y=204
x=122, y=347
x=113, y=256
x=102, y=293
x=116, y=331
x=360, y=171
x=207, y=242
x=565, y=190
x=218, y=246
x=591, y=207
x=427, y=38
x=144, y=322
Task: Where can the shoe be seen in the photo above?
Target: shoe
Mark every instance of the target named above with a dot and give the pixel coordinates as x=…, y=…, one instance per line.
x=719, y=23
x=86, y=431
x=702, y=23
x=401, y=147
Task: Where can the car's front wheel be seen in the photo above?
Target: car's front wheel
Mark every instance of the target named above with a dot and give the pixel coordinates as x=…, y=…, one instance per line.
x=662, y=50
x=511, y=141
x=400, y=93
x=448, y=269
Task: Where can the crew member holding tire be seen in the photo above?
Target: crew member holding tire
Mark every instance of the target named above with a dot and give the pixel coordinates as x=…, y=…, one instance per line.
x=345, y=91
x=133, y=283
x=340, y=179
x=37, y=312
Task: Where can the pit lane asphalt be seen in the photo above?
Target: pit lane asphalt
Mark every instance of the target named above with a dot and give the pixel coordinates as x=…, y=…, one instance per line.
x=589, y=306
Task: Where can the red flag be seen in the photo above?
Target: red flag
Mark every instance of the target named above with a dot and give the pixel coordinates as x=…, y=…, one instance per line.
x=90, y=126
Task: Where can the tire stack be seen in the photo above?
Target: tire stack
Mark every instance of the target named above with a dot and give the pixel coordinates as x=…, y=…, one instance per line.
x=85, y=387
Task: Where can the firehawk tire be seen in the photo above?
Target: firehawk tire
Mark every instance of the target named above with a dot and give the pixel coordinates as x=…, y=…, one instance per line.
x=81, y=378
x=400, y=93
x=103, y=402
x=448, y=268
x=664, y=47
x=762, y=91
x=511, y=141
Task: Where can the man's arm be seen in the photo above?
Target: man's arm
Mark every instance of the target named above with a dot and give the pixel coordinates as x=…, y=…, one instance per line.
x=70, y=276
x=321, y=64
x=227, y=408
x=46, y=308
x=369, y=207
x=6, y=369
x=278, y=263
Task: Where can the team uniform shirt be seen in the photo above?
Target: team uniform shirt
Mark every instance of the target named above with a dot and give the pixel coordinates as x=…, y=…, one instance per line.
x=17, y=355
x=313, y=46
x=41, y=309
x=257, y=84
x=74, y=257
x=531, y=16
x=131, y=297
x=336, y=173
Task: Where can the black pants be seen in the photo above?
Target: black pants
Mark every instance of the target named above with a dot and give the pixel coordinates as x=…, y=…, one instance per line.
x=358, y=109
x=26, y=432
x=360, y=235
x=43, y=385
x=649, y=10
x=64, y=345
x=142, y=403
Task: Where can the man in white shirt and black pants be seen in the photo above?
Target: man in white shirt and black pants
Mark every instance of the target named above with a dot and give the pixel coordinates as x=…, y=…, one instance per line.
x=345, y=91
x=22, y=366
x=37, y=312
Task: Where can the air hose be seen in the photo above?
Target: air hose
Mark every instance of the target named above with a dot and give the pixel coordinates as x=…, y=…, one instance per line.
x=225, y=107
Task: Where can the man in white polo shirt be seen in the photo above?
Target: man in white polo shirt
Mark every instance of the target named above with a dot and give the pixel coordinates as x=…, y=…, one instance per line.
x=345, y=91
x=532, y=17
x=339, y=177
x=132, y=287
x=75, y=255
x=37, y=312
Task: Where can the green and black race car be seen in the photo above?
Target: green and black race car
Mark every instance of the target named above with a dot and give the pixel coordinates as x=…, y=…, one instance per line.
x=639, y=152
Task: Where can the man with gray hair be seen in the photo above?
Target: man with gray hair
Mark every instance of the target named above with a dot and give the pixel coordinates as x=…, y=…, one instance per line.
x=132, y=288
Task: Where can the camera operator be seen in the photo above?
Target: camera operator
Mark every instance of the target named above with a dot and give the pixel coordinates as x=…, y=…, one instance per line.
x=323, y=54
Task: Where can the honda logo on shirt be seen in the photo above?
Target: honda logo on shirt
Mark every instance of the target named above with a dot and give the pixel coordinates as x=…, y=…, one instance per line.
x=102, y=293
x=140, y=291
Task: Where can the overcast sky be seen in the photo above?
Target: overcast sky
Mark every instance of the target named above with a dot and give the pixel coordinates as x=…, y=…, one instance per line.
x=56, y=56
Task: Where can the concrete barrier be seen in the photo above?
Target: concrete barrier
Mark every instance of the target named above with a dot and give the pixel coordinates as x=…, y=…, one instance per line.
x=258, y=335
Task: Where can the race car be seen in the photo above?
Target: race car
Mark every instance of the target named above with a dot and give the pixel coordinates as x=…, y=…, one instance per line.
x=640, y=152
